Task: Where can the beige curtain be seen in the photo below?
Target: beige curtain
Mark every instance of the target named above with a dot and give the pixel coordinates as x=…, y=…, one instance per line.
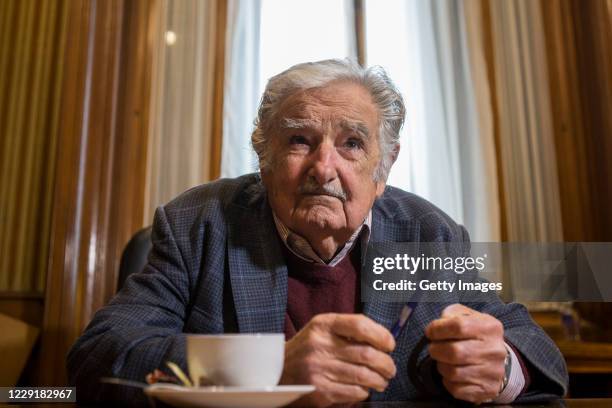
x=475, y=34
x=31, y=46
x=524, y=118
x=525, y=142
x=528, y=160
x=180, y=130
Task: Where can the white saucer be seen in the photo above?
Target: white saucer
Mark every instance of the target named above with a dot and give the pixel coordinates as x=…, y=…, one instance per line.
x=217, y=396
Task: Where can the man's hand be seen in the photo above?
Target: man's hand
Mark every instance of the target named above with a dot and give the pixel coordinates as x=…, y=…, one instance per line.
x=469, y=349
x=343, y=355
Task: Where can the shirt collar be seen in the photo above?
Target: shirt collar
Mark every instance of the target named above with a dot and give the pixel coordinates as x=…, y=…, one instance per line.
x=302, y=248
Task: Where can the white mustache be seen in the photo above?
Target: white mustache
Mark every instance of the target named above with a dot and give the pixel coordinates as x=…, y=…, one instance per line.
x=314, y=188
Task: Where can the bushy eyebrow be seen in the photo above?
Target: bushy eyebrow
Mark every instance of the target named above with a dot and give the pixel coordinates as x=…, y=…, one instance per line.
x=359, y=128
x=292, y=123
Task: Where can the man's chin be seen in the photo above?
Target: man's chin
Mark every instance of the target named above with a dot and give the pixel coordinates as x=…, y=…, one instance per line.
x=322, y=217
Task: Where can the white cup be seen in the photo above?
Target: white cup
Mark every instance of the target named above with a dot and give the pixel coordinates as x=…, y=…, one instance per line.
x=247, y=360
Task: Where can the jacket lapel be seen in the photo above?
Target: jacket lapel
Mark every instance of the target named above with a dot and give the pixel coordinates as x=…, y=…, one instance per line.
x=386, y=229
x=258, y=273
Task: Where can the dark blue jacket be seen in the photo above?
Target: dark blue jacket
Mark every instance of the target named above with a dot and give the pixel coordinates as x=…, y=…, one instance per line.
x=216, y=266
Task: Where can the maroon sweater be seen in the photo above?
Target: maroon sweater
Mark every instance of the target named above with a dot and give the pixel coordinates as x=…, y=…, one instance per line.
x=314, y=288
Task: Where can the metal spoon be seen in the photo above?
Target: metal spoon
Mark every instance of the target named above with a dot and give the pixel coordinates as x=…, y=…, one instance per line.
x=179, y=374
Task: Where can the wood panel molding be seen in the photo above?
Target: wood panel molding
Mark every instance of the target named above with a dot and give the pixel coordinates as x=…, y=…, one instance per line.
x=360, y=34
x=98, y=200
x=219, y=74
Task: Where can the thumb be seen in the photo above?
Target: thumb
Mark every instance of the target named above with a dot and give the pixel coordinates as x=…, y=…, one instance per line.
x=456, y=309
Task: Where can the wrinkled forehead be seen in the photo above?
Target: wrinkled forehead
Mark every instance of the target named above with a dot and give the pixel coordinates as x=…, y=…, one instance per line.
x=346, y=105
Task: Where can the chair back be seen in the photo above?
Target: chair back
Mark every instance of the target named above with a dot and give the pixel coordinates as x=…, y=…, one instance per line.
x=134, y=257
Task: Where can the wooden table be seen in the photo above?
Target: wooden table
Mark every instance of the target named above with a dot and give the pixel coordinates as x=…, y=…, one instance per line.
x=566, y=403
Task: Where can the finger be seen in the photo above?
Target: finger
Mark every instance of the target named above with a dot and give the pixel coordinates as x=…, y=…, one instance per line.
x=346, y=373
x=331, y=392
x=475, y=393
x=457, y=352
x=471, y=374
x=366, y=355
x=463, y=352
x=456, y=327
x=362, y=329
x=457, y=309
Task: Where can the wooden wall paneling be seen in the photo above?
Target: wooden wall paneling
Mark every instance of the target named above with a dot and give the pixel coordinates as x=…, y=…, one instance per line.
x=571, y=143
x=126, y=202
x=99, y=185
x=578, y=36
x=69, y=282
x=217, y=126
x=592, y=21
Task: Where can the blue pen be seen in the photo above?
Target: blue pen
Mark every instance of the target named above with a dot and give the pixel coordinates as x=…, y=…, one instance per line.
x=407, y=310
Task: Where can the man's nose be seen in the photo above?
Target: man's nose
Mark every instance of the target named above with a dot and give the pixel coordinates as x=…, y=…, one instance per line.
x=323, y=168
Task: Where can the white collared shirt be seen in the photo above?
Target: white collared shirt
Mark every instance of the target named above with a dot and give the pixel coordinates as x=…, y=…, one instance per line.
x=302, y=248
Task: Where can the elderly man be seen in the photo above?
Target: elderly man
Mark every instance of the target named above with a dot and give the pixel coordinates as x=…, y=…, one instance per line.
x=280, y=251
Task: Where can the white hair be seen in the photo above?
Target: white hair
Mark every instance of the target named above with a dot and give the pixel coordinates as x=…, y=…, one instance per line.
x=318, y=74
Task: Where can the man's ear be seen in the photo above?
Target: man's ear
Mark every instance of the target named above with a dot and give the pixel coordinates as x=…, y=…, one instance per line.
x=380, y=186
x=395, y=153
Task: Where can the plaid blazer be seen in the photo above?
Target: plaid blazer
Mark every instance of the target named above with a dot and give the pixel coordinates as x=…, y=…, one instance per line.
x=216, y=266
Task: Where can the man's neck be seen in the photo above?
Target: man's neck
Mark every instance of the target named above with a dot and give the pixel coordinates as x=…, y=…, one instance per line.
x=330, y=246
x=327, y=246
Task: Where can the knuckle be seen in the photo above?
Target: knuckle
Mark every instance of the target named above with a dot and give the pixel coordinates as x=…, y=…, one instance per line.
x=311, y=364
x=458, y=352
x=311, y=343
x=451, y=309
x=361, y=326
x=361, y=375
x=365, y=354
x=320, y=319
x=495, y=326
x=460, y=326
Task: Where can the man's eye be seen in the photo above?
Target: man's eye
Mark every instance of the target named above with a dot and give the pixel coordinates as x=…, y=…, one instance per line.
x=298, y=140
x=353, y=144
